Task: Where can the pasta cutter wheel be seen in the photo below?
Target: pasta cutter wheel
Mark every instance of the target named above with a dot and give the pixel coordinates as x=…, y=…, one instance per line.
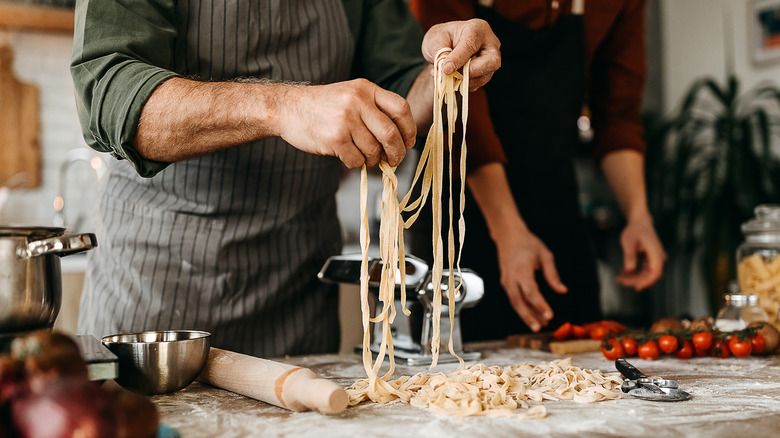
x=640, y=386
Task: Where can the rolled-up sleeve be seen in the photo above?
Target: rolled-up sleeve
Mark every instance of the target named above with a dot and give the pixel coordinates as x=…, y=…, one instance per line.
x=618, y=77
x=122, y=50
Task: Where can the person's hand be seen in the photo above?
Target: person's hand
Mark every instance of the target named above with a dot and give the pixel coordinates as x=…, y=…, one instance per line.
x=639, y=241
x=519, y=258
x=356, y=121
x=472, y=39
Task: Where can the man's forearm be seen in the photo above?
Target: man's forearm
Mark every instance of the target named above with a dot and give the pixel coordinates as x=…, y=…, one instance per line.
x=624, y=172
x=184, y=118
x=490, y=188
x=643, y=253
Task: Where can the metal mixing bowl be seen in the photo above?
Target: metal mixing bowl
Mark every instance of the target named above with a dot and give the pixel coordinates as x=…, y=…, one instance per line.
x=159, y=362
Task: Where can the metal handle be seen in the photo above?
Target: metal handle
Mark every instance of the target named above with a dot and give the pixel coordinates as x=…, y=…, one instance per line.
x=626, y=369
x=60, y=245
x=346, y=269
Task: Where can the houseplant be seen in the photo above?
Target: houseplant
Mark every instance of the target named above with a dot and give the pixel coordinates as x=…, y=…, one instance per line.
x=708, y=165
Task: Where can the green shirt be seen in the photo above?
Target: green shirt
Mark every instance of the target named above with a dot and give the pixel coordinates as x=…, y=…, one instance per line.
x=124, y=49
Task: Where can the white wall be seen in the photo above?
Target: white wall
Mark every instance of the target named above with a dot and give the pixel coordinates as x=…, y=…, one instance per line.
x=696, y=36
x=43, y=59
x=701, y=38
x=745, y=69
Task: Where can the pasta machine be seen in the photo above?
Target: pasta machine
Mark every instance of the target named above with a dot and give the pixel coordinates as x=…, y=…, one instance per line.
x=413, y=335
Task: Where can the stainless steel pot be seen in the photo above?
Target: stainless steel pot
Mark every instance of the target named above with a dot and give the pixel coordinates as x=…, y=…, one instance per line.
x=30, y=275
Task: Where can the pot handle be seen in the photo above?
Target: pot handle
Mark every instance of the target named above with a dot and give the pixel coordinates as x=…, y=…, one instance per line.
x=60, y=245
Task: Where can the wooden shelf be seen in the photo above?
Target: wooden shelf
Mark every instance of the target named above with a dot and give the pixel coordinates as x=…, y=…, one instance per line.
x=41, y=18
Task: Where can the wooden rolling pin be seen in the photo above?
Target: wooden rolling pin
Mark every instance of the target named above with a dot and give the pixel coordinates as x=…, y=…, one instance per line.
x=287, y=386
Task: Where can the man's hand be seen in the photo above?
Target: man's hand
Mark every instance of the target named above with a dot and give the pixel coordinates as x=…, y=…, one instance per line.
x=356, y=121
x=520, y=252
x=624, y=171
x=639, y=241
x=472, y=39
x=519, y=258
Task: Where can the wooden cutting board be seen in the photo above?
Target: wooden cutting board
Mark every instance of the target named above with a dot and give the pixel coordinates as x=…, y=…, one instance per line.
x=546, y=342
x=19, y=127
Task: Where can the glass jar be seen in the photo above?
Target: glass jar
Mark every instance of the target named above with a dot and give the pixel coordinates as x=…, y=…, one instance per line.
x=758, y=259
x=738, y=311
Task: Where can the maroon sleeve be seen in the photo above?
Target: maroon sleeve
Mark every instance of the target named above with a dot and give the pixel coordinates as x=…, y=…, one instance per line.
x=618, y=77
x=483, y=144
x=430, y=12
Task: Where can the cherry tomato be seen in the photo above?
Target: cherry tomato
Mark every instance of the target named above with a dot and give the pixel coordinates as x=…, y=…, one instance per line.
x=720, y=348
x=702, y=340
x=648, y=350
x=686, y=351
x=667, y=343
x=563, y=332
x=629, y=345
x=597, y=332
x=700, y=353
x=612, y=349
x=740, y=347
x=578, y=331
x=591, y=325
x=758, y=341
x=613, y=326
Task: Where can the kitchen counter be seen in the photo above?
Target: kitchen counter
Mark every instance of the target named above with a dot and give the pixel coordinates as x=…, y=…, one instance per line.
x=730, y=397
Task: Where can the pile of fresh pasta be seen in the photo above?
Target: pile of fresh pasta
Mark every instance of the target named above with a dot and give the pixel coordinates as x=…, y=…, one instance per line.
x=478, y=390
x=495, y=391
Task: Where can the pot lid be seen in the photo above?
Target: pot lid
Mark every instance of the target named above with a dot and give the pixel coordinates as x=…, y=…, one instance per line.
x=767, y=220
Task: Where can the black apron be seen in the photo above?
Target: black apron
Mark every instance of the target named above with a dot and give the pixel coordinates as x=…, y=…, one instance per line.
x=535, y=99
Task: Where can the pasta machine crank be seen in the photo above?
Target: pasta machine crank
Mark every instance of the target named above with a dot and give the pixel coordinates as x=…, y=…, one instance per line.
x=412, y=335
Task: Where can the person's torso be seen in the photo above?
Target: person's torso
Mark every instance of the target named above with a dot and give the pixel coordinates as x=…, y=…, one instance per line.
x=279, y=40
x=537, y=14
x=534, y=101
x=230, y=242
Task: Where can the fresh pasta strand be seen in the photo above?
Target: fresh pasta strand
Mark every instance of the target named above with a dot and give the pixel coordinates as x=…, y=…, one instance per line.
x=430, y=167
x=392, y=225
x=389, y=234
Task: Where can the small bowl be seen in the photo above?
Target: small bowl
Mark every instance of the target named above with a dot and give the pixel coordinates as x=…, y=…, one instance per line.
x=159, y=362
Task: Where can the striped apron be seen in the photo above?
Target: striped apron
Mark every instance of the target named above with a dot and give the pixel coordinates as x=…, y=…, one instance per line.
x=230, y=242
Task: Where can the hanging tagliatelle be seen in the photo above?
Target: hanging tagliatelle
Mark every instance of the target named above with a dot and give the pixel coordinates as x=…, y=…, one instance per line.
x=431, y=168
x=391, y=243
x=477, y=390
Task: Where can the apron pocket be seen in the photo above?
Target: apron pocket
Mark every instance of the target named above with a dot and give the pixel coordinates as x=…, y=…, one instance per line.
x=157, y=239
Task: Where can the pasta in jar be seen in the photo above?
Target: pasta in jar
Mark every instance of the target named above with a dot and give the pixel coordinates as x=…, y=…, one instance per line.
x=758, y=266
